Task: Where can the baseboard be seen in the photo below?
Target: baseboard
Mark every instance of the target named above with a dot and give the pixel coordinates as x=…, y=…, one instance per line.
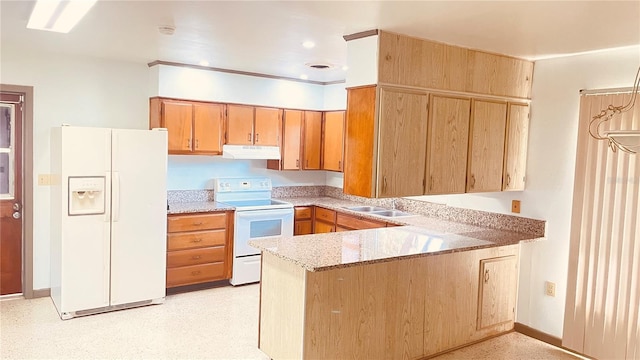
x=41, y=293
x=537, y=334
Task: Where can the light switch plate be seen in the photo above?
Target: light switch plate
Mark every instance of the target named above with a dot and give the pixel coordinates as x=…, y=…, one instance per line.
x=515, y=206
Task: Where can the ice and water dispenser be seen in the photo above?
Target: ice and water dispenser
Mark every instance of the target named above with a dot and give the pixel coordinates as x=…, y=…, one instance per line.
x=86, y=195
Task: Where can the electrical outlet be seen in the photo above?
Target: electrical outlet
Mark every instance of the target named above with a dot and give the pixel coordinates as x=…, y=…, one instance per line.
x=44, y=179
x=515, y=206
x=550, y=288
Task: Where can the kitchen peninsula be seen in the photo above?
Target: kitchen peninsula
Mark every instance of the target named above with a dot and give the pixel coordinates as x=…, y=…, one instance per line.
x=398, y=292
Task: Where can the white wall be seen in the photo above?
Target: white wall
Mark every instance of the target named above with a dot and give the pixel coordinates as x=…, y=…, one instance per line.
x=362, y=59
x=77, y=91
x=550, y=175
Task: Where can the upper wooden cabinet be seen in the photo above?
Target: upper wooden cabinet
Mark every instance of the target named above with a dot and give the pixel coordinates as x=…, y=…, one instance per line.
x=486, y=146
x=515, y=163
x=447, y=144
x=312, y=140
x=193, y=127
x=404, y=60
x=360, y=130
x=402, y=141
x=291, y=142
x=333, y=141
x=248, y=125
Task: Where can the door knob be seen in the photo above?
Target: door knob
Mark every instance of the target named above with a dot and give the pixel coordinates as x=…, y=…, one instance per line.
x=16, y=207
x=16, y=215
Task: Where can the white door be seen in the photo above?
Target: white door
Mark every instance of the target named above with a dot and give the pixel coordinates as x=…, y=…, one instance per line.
x=84, y=245
x=139, y=216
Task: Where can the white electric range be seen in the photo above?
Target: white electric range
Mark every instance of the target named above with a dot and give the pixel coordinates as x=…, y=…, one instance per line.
x=257, y=216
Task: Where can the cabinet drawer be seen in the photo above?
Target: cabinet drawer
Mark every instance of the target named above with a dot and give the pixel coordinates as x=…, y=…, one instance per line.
x=325, y=215
x=187, y=275
x=177, y=223
x=357, y=223
x=302, y=227
x=196, y=239
x=195, y=256
x=302, y=212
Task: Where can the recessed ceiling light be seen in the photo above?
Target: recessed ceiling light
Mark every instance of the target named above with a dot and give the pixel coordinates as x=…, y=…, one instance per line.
x=204, y=63
x=304, y=77
x=308, y=44
x=345, y=68
x=58, y=16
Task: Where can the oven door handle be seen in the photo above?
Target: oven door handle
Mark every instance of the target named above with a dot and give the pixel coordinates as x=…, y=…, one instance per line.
x=264, y=214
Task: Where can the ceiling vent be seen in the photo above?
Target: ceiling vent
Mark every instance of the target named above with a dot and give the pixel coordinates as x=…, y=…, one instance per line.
x=319, y=66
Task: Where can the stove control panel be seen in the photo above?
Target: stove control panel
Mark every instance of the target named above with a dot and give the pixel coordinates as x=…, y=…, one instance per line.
x=227, y=185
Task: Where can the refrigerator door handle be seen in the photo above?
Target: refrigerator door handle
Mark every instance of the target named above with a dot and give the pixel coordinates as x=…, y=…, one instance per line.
x=107, y=213
x=115, y=194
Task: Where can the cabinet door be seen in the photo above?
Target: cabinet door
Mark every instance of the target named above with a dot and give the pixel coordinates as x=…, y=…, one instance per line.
x=302, y=227
x=268, y=127
x=498, y=285
x=323, y=227
x=515, y=163
x=333, y=141
x=291, y=142
x=486, y=146
x=312, y=140
x=208, y=122
x=447, y=145
x=240, y=125
x=177, y=118
x=402, y=144
x=358, y=142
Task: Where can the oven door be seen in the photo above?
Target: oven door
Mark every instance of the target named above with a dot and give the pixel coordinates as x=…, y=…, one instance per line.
x=259, y=224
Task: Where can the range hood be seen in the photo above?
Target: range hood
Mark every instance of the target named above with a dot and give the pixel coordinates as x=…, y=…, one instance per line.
x=250, y=152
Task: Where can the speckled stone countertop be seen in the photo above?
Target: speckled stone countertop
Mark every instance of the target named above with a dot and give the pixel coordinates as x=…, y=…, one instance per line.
x=319, y=252
x=196, y=206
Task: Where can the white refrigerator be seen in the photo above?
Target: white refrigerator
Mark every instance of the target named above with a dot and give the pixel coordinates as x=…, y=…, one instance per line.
x=108, y=219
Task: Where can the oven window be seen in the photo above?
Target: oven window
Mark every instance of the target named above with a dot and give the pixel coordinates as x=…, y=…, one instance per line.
x=262, y=228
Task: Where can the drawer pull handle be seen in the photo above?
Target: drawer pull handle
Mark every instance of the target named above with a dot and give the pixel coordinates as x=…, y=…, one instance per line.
x=196, y=257
x=196, y=240
x=198, y=223
x=194, y=273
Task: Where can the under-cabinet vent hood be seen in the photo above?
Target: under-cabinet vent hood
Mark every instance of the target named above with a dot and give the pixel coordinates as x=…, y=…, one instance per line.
x=250, y=152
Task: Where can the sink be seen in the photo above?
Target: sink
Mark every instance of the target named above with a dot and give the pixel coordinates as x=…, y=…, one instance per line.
x=392, y=213
x=366, y=208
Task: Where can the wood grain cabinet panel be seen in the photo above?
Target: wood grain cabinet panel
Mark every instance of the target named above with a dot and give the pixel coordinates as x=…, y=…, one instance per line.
x=486, y=146
x=199, y=248
x=401, y=148
x=291, y=149
x=517, y=140
x=447, y=144
x=359, y=140
x=497, y=294
x=499, y=75
x=352, y=222
x=303, y=220
x=312, y=140
x=177, y=119
x=333, y=141
x=268, y=126
x=208, y=128
x=240, y=124
x=192, y=127
x=324, y=220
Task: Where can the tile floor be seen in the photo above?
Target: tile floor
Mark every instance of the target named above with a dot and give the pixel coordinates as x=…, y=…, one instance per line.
x=218, y=323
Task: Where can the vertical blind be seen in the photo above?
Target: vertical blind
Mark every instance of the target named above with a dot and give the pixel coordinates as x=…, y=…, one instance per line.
x=603, y=295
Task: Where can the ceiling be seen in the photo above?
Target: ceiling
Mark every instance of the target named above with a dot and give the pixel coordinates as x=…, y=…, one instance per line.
x=266, y=36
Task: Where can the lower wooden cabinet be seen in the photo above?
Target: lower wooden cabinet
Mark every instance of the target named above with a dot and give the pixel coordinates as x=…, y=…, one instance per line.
x=346, y=222
x=324, y=220
x=199, y=248
x=303, y=220
x=496, y=294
